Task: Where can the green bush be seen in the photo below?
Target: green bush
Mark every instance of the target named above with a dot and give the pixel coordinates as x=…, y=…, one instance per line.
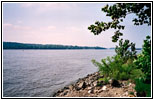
x=124, y=76
x=143, y=61
x=116, y=68
x=126, y=50
x=126, y=65
x=105, y=80
x=142, y=88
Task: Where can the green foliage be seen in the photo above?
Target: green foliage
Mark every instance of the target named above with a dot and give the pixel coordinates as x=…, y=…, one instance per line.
x=117, y=13
x=105, y=80
x=142, y=88
x=118, y=69
x=123, y=76
x=122, y=66
x=99, y=84
x=143, y=61
x=120, y=10
x=123, y=49
x=132, y=93
x=136, y=73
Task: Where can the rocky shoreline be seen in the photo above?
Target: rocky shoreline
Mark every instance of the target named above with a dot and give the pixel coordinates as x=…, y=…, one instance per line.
x=89, y=86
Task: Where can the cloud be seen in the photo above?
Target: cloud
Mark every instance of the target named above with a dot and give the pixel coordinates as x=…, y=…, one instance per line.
x=21, y=27
x=7, y=25
x=74, y=28
x=51, y=27
x=47, y=5
x=44, y=7
x=15, y=27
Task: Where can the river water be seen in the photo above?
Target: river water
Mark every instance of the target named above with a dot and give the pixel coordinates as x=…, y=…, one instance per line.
x=39, y=73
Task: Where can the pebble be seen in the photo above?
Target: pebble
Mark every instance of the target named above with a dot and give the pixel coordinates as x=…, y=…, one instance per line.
x=116, y=93
x=129, y=84
x=90, y=91
x=89, y=88
x=65, y=92
x=110, y=81
x=89, y=85
x=104, y=88
x=71, y=87
x=82, y=85
x=95, y=83
x=125, y=94
x=131, y=95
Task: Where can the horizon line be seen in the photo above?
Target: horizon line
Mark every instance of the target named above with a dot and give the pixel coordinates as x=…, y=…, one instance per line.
x=67, y=45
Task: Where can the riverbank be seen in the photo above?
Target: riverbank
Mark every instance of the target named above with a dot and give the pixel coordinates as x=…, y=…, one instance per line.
x=89, y=86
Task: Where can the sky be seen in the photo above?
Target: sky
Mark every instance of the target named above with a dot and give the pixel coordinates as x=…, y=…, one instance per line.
x=64, y=23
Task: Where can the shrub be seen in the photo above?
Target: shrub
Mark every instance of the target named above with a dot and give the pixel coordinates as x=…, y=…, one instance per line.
x=143, y=61
x=142, y=88
x=126, y=50
x=105, y=80
x=116, y=68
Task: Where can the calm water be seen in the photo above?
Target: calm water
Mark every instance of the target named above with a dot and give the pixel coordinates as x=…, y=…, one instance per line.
x=39, y=73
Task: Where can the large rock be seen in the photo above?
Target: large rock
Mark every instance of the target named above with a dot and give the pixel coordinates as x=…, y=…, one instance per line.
x=115, y=83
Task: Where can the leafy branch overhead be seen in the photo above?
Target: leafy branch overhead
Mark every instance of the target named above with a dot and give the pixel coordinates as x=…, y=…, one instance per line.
x=118, y=12
x=126, y=64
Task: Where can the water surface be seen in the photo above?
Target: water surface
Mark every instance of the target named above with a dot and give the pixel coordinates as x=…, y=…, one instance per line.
x=39, y=73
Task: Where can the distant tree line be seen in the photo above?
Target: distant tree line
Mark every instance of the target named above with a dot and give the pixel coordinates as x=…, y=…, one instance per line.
x=15, y=45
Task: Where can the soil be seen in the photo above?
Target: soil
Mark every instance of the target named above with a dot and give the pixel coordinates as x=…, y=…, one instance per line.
x=89, y=86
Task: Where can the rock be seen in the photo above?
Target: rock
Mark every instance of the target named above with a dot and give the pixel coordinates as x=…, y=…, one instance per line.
x=95, y=91
x=95, y=83
x=125, y=89
x=59, y=91
x=104, y=88
x=129, y=84
x=100, y=91
x=89, y=88
x=125, y=94
x=82, y=85
x=115, y=83
x=76, y=88
x=65, y=92
x=88, y=82
x=70, y=87
x=116, y=93
x=66, y=87
x=110, y=81
x=90, y=91
x=130, y=95
x=135, y=93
